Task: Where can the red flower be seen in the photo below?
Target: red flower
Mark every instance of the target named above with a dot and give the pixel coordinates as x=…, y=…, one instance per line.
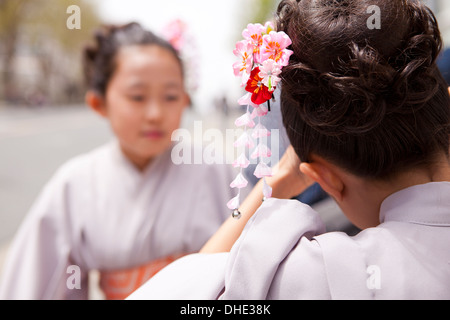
x=260, y=93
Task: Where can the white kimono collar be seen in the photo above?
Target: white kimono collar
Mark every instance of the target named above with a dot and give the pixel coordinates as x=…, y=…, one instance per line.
x=130, y=168
x=426, y=204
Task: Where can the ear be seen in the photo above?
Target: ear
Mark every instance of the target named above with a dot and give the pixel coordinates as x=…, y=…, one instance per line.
x=188, y=100
x=96, y=102
x=325, y=176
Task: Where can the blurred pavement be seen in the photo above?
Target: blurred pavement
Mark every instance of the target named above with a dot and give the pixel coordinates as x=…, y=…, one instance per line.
x=33, y=144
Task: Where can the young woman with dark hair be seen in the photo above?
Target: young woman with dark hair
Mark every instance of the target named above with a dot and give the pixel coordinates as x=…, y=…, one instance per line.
x=368, y=114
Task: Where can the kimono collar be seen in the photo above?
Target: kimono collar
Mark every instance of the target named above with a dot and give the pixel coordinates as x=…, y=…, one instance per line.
x=131, y=168
x=426, y=204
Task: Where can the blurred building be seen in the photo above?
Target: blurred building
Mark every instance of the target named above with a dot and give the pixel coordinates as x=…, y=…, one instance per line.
x=40, y=56
x=42, y=73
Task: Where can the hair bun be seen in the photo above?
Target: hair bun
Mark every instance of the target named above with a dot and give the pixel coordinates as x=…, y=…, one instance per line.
x=371, y=101
x=352, y=91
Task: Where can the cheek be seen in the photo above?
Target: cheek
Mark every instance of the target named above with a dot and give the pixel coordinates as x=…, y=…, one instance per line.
x=174, y=119
x=122, y=117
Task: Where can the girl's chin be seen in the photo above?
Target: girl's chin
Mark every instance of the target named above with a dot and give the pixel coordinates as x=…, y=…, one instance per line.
x=155, y=149
x=146, y=152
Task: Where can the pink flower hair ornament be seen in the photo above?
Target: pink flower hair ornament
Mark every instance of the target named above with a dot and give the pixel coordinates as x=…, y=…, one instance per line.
x=261, y=56
x=178, y=34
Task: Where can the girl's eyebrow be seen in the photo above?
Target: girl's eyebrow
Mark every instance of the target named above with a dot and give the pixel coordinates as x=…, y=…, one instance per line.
x=174, y=85
x=136, y=84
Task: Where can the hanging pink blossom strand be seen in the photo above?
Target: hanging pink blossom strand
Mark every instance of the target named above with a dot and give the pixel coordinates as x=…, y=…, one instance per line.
x=261, y=56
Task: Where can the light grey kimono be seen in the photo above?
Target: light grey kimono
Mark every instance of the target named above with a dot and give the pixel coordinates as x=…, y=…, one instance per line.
x=99, y=212
x=283, y=253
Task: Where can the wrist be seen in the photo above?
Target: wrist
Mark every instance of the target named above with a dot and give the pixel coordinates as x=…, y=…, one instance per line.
x=286, y=186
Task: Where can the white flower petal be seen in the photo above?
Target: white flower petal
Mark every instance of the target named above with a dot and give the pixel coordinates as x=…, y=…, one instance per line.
x=241, y=161
x=267, y=190
x=245, y=120
x=239, y=182
x=260, y=131
x=261, y=150
x=262, y=170
x=244, y=140
x=233, y=203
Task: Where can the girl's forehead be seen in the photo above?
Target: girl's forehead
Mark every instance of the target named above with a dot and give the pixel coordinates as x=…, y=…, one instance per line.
x=140, y=83
x=150, y=62
x=147, y=56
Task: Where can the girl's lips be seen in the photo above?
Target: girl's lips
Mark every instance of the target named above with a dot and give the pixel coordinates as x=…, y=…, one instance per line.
x=153, y=134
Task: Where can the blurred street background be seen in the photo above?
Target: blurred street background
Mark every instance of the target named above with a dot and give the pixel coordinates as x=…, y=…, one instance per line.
x=43, y=118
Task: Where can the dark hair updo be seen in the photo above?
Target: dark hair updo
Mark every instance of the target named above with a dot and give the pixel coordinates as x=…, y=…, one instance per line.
x=371, y=101
x=99, y=58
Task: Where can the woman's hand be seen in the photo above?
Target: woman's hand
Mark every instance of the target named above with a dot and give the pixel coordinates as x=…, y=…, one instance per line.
x=288, y=181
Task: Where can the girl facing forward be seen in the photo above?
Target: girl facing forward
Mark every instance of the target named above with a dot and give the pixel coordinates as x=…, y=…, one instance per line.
x=368, y=114
x=124, y=209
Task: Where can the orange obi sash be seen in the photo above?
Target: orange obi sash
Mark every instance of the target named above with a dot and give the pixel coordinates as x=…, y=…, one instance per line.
x=119, y=284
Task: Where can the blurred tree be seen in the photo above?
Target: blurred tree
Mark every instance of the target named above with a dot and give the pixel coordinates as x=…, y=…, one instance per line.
x=261, y=10
x=37, y=28
x=10, y=19
x=49, y=17
x=255, y=11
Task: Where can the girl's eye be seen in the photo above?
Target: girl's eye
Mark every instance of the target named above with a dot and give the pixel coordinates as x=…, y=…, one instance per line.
x=172, y=98
x=137, y=98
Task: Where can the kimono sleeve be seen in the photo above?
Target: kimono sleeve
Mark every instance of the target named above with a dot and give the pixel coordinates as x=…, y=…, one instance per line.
x=193, y=277
x=266, y=242
x=38, y=257
x=209, y=204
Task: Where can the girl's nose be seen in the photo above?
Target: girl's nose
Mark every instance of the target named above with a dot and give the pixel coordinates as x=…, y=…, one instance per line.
x=153, y=111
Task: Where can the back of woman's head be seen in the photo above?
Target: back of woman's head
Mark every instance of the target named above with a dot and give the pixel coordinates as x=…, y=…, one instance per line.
x=369, y=100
